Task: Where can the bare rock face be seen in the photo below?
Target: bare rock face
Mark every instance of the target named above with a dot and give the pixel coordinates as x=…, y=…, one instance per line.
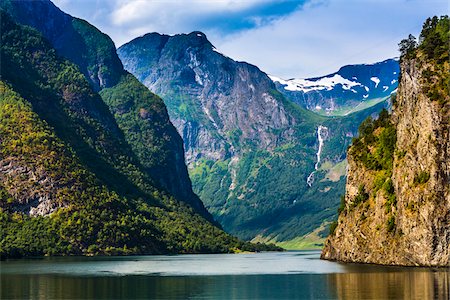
x=219, y=106
x=415, y=229
x=35, y=191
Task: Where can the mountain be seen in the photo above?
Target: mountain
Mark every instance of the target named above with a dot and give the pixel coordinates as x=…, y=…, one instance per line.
x=73, y=177
x=352, y=88
x=149, y=131
x=396, y=210
x=252, y=154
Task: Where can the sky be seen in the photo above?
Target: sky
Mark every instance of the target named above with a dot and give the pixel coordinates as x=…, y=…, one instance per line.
x=285, y=38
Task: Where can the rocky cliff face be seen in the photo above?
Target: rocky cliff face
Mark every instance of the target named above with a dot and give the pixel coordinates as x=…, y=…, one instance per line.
x=402, y=218
x=219, y=106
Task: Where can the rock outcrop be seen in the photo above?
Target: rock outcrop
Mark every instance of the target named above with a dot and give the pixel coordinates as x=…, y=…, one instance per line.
x=403, y=219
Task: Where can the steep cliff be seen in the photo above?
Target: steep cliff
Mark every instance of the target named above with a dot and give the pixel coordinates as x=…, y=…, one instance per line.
x=397, y=203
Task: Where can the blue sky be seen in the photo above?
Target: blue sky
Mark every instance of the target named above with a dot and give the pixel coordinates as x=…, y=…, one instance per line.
x=286, y=38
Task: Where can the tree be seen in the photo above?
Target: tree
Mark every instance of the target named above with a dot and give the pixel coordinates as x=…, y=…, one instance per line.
x=408, y=46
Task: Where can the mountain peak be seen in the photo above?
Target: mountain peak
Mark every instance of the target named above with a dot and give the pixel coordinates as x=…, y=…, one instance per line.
x=197, y=34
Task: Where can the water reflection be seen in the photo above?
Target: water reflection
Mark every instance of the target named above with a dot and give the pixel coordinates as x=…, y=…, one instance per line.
x=425, y=284
x=266, y=276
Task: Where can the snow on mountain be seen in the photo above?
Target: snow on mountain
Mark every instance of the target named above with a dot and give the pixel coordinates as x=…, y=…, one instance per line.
x=324, y=83
x=343, y=90
x=376, y=80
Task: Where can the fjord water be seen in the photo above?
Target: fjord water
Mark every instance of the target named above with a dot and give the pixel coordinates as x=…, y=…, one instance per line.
x=288, y=275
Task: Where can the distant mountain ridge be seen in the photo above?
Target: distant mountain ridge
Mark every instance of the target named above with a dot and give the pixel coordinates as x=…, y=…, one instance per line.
x=352, y=88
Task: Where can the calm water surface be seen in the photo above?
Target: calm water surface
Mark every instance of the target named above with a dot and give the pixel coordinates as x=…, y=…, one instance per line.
x=288, y=275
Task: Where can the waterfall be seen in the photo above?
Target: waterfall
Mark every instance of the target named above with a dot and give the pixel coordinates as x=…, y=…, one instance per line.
x=322, y=133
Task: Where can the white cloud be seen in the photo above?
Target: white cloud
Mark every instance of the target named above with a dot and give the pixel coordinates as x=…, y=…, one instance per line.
x=320, y=38
x=316, y=39
x=127, y=12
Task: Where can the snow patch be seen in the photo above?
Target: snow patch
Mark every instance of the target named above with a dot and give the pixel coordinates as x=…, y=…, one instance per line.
x=365, y=96
x=393, y=81
x=366, y=88
x=215, y=50
x=308, y=85
x=385, y=88
x=376, y=80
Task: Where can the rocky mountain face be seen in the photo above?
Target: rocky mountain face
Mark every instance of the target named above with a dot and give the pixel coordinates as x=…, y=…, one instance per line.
x=233, y=107
x=252, y=154
x=352, y=88
x=141, y=116
x=397, y=202
x=74, y=178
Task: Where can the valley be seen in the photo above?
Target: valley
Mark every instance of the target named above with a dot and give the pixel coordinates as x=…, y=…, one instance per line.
x=263, y=162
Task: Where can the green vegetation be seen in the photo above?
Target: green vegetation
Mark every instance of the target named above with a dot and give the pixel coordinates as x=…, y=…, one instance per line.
x=333, y=227
x=347, y=110
x=97, y=221
x=310, y=241
x=341, y=207
x=99, y=57
x=421, y=178
x=374, y=149
x=408, y=47
x=434, y=44
x=270, y=189
x=255, y=189
x=361, y=197
x=143, y=118
x=432, y=51
x=390, y=224
x=434, y=39
x=375, y=146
